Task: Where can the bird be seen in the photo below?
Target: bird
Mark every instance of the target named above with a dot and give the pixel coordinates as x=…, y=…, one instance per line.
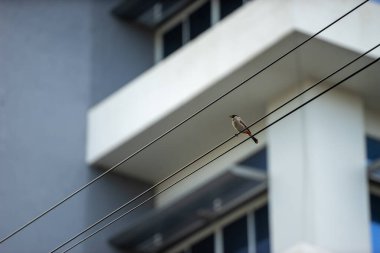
x=240, y=126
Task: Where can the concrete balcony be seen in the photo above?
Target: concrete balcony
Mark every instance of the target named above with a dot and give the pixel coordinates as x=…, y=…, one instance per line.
x=219, y=59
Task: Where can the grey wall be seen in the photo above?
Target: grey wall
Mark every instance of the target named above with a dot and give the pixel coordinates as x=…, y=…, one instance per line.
x=50, y=53
x=120, y=51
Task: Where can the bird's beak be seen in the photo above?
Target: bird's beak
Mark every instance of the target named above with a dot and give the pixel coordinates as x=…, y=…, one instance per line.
x=231, y=116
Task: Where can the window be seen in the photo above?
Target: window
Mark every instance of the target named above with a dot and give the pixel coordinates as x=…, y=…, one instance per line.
x=228, y=6
x=257, y=160
x=373, y=149
x=249, y=231
x=262, y=230
x=375, y=223
x=244, y=230
x=190, y=22
x=168, y=4
x=373, y=154
x=235, y=236
x=172, y=39
x=206, y=245
x=200, y=20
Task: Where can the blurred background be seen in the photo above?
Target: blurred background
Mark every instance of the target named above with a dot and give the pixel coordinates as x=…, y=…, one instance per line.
x=86, y=83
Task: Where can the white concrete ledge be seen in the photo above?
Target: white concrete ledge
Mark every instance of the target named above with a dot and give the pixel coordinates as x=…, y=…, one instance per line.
x=217, y=53
x=185, y=74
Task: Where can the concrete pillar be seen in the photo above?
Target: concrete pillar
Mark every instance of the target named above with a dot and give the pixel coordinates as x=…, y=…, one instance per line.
x=318, y=183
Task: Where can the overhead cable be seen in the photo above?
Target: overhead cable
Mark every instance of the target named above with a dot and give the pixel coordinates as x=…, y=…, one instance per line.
x=258, y=132
x=173, y=128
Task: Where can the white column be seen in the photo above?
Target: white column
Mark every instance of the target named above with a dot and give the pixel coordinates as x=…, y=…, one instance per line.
x=318, y=185
x=251, y=232
x=219, y=241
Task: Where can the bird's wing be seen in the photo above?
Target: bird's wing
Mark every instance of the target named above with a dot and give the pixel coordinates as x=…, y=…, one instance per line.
x=242, y=122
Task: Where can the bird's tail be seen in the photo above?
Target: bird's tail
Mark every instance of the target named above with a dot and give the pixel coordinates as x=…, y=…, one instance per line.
x=254, y=139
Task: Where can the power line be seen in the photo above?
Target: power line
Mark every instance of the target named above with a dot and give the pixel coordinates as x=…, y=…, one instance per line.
x=175, y=127
x=213, y=149
x=261, y=130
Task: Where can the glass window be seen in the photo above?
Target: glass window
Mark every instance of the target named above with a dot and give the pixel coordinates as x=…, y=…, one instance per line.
x=167, y=4
x=235, y=237
x=172, y=39
x=206, y=245
x=375, y=223
x=373, y=149
x=200, y=20
x=228, y=6
x=257, y=160
x=262, y=230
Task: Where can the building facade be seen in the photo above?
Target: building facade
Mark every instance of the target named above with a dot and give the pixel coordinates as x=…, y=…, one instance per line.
x=54, y=56
x=87, y=83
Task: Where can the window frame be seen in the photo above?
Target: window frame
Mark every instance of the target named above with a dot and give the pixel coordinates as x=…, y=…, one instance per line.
x=216, y=228
x=182, y=17
x=210, y=18
x=220, y=11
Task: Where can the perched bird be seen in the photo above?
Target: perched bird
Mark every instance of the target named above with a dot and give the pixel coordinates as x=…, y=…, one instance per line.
x=240, y=126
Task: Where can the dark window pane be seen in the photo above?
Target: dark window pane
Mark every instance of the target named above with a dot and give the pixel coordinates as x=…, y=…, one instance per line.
x=200, y=20
x=373, y=149
x=375, y=223
x=172, y=39
x=257, y=160
x=262, y=230
x=167, y=4
x=235, y=237
x=206, y=245
x=228, y=6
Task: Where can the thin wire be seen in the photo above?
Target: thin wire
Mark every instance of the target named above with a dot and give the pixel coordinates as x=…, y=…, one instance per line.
x=171, y=185
x=175, y=127
x=211, y=150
